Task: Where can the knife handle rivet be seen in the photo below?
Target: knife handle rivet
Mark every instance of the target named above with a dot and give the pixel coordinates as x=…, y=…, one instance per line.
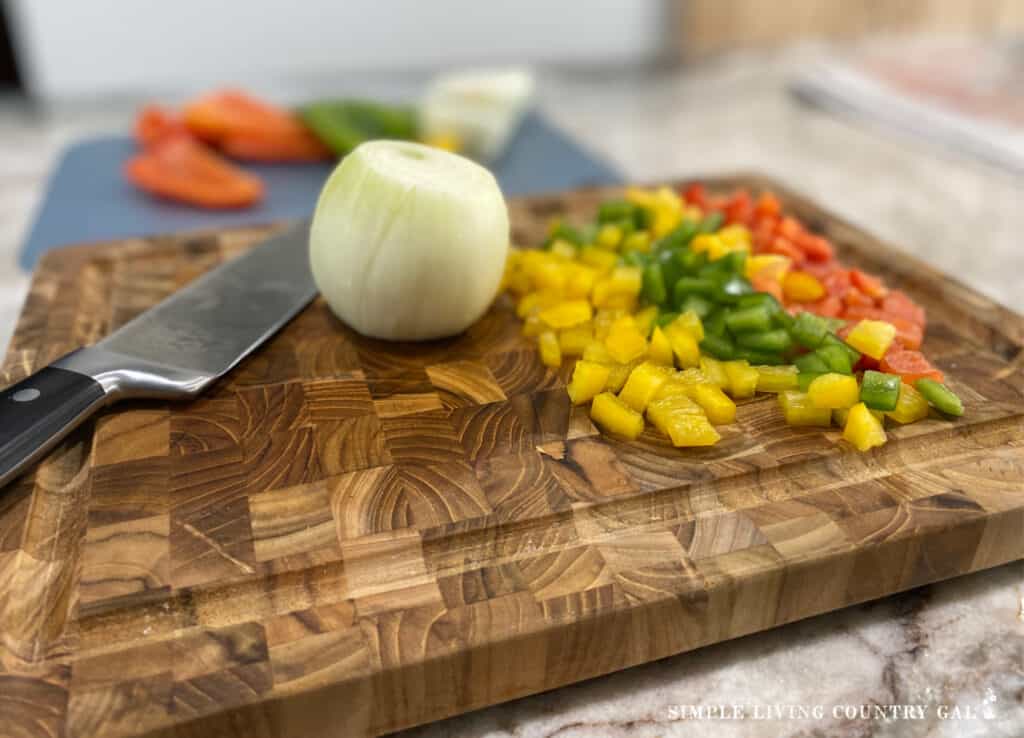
x=26, y=395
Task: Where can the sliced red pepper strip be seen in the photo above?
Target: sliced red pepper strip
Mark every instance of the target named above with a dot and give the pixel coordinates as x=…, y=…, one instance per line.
x=695, y=194
x=183, y=169
x=246, y=126
x=815, y=247
x=897, y=303
x=300, y=146
x=869, y=284
x=154, y=124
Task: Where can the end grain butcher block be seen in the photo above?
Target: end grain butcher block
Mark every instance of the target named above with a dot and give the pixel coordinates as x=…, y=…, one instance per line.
x=347, y=537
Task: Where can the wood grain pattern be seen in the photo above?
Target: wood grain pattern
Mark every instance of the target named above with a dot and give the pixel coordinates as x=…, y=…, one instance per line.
x=348, y=537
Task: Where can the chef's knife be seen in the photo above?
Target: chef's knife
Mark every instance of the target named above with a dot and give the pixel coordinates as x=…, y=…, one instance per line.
x=172, y=351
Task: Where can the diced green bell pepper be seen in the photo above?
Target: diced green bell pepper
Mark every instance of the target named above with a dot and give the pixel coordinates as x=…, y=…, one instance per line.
x=749, y=320
x=939, y=396
x=880, y=391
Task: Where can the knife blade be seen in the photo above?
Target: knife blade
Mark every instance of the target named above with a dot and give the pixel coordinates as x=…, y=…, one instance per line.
x=174, y=350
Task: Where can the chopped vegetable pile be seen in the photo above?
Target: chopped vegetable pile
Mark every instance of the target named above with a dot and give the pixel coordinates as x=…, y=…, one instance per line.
x=674, y=305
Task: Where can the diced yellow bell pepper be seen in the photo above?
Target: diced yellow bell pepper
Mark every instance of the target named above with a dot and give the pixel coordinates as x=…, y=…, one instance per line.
x=692, y=430
x=603, y=320
x=643, y=383
x=547, y=275
x=841, y=414
x=665, y=220
x=535, y=302
x=834, y=391
x=639, y=196
x=518, y=282
x=615, y=416
x=588, y=380
x=910, y=406
x=533, y=326
x=580, y=281
x=625, y=342
x=645, y=320
x=718, y=407
x=574, y=341
x=550, y=351
x=768, y=265
x=714, y=371
x=660, y=412
x=742, y=378
x=872, y=337
x=863, y=429
x=691, y=323
x=626, y=280
x=597, y=351
x=639, y=241
x=562, y=249
x=618, y=374
x=601, y=260
x=681, y=383
x=567, y=314
x=660, y=350
x=802, y=287
x=798, y=409
x=619, y=289
x=777, y=378
x=735, y=236
x=704, y=242
x=609, y=236
x=684, y=346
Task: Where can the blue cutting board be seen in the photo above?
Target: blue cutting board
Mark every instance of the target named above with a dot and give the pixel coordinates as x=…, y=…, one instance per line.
x=88, y=200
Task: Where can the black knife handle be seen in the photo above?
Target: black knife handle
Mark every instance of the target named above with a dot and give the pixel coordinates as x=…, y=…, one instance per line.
x=37, y=412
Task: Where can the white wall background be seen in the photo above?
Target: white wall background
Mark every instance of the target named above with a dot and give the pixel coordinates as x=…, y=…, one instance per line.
x=82, y=48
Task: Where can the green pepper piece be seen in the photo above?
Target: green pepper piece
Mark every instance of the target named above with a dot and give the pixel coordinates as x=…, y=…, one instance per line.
x=697, y=304
x=809, y=330
x=720, y=347
x=692, y=286
x=784, y=320
x=711, y=222
x=636, y=259
x=732, y=289
x=804, y=379
x=715, y=322
x=833, y=340
x=565, y=232
x=670, y=271
x=664, y=319
x=775, y=341
x=760, y=358
x=811, y=363
x=611, y=211
x=835, y=358
x=690, y=261
x=880, y=391
x=654, y=290
x=736, y=262
x=939, y=396
x=749, y=320
x=758, y=299
x=679, y=236
x=344, y=124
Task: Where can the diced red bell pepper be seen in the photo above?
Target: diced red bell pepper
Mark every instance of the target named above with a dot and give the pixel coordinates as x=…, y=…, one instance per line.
x=767, y=283
x=909, y=364
x=815, y=247
x=782, y=245
x=695, y=194
x=739, y=208
x=768, y=204
x=181, y=168
x=301, y=145
x=829, y=306
x=837, y=282
x=790, y=228
x=154, y=124
x=854, y=297
x=897, y=303
x=868, y=284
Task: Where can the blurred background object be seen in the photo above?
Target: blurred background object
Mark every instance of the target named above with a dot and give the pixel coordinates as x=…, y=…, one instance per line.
x=710, y=26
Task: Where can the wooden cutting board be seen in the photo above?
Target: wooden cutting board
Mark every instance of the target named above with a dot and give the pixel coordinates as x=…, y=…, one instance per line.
x=347, y=537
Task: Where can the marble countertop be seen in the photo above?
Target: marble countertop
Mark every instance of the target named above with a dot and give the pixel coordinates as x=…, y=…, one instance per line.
x=947, y=659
